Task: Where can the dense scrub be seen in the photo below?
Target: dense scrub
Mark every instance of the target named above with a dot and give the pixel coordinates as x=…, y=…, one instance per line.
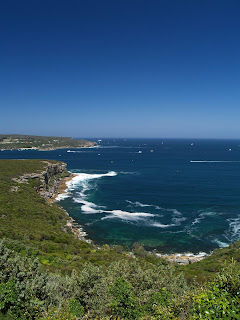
x=207, y=268
x=126, y=289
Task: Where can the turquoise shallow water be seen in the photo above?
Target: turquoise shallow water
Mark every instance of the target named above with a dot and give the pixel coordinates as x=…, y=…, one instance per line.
x=172, y=195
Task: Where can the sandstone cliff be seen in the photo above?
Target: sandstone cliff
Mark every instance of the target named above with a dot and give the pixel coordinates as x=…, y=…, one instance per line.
x=48, y=180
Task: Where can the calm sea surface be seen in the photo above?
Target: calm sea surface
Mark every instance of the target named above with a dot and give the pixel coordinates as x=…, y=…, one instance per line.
x=172, y=195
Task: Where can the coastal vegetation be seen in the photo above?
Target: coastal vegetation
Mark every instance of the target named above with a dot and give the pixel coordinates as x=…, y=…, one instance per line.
x=46, y=272
x=15, y=141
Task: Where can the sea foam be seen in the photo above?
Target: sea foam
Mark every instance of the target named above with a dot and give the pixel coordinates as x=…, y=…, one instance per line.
x=211, y=161
x=62, y=196
x=125, y=215
x=139, y=204
x=234, y=228
x=204, y=215
x=91, y=208
x=160, y=225
x=221, y=244
x=82, y=179
x=177, y=217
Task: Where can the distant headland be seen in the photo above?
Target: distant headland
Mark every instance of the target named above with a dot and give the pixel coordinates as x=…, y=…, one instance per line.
x=41, y=143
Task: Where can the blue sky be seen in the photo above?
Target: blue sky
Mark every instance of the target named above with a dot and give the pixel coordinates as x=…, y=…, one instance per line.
x=153, y=68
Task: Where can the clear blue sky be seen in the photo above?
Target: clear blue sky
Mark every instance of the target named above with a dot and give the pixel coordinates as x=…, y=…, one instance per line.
x=127, y=68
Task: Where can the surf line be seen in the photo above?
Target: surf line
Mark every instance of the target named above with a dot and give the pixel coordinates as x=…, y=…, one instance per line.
x=64, y=191
x=211, y=161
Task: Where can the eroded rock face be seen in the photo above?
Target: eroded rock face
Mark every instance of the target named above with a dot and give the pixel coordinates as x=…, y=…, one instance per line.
x=49, y=179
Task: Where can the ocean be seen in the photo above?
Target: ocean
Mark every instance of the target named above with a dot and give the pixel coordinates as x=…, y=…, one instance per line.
x=172, y=195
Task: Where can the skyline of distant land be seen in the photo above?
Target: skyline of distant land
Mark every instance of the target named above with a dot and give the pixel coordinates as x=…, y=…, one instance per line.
x=120, y=137
x=133, y=68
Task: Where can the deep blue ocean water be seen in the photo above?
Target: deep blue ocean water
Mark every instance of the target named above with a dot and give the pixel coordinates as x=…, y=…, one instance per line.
x=173, y=195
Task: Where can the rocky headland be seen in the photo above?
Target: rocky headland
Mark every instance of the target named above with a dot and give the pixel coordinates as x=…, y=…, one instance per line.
x=52, y=182
x=41, y=143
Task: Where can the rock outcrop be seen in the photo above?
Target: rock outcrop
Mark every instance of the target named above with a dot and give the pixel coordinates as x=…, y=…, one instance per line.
x=183, y=258
x=49, y=179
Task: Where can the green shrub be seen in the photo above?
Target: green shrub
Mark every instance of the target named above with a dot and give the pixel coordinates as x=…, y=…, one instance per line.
x=219, y=299
x=123, y=302
x=75, y=308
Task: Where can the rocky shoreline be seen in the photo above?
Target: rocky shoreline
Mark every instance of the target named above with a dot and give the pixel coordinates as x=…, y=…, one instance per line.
x=54, y=182
x=71, y=223
x=183, y=258
x=78, y=230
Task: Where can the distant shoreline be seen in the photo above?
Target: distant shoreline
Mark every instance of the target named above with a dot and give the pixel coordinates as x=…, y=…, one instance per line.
x=42, y=143
x=48, y=149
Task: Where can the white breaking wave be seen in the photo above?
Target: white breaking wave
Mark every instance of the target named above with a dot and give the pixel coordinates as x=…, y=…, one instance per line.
x=197, y=220
x=120, y=147
x=62, y=196
x=221, y=244
x=178, y=220
x=177, y=217
x=175, y=211
x=92, y=208
x=88, y=203
x=79, y=178
x=72, y=151
x=87, y=206
x=203, y=215
x=234, y=227
x=82, y=151
x=211, y=161
x=82, y=179
x=125, y=215
x=88, y=209
x=160, y=225
x=139, y=204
